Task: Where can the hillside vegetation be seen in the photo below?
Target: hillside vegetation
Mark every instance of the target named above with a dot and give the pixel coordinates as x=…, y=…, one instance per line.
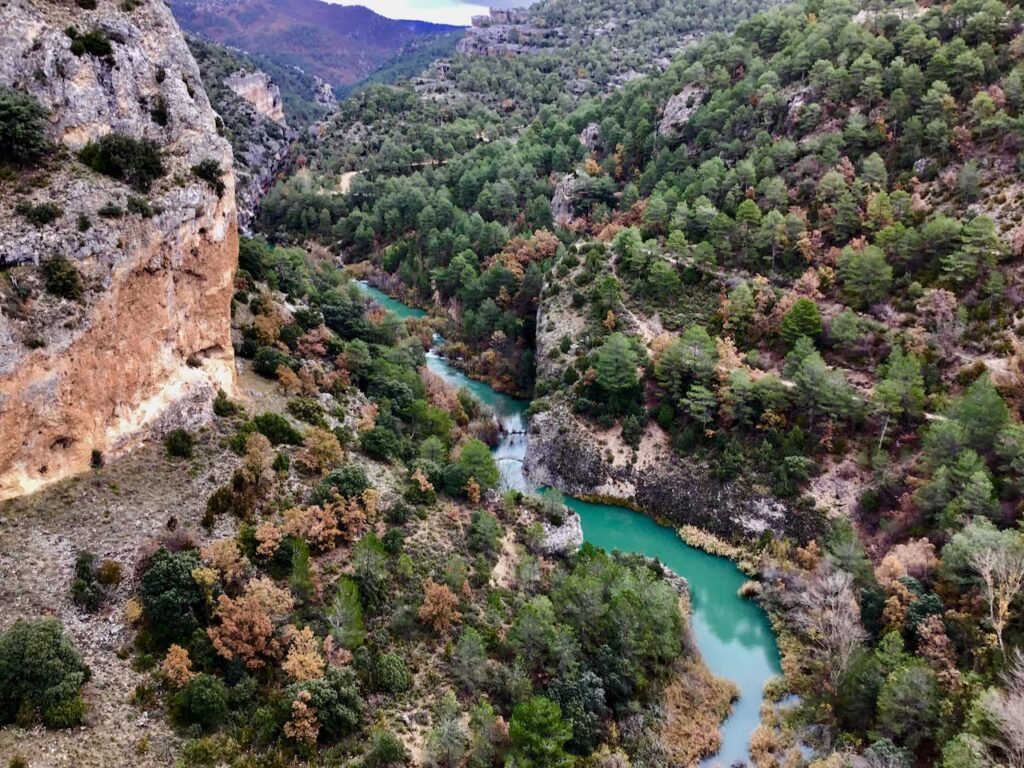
x=796, y=253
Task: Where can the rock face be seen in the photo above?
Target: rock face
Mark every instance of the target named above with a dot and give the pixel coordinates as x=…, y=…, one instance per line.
x=258, y=90
x=563, y=453
x=679, y=109
x=149, y=343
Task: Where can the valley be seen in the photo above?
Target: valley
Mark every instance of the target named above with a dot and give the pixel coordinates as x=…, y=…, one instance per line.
x=601, y=385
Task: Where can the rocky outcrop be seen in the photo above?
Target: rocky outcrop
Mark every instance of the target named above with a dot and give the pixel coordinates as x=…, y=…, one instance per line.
x=561, y=200
x=679, y=109
x=148, y=344
x=564, y=453
x=257, y=89
x=563, y=539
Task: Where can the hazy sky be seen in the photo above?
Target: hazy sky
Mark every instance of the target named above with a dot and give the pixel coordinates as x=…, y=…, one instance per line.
x=443, y=11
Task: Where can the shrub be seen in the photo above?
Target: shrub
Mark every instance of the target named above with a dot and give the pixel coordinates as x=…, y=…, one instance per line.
x=173, y=604
x=61, y=278
x=267, y=360
x=141, y=206
x=108, y=573
x=349, y=480
x=86, y=591
x=179, y=443
x=224, y=406
x=111, y=211
x=391, y=675
x=277, y=429
x=39, y=214
x=158, y=112
x=307, y=409
x=337, y=701
x=209, y=170
x=41, y=672
x=22, y=125
x=88, y=5
x=95, y=42
x=203, y=702
x=385, y=749
x=137, y=162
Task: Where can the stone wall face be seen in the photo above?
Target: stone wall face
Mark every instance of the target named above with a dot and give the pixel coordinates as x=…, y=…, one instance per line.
x=149, y=344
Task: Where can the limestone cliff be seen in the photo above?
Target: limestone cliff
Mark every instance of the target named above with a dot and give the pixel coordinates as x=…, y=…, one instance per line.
x=148, y=343
x=258, y=90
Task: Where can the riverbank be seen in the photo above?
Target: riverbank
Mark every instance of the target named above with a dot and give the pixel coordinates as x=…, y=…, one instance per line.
x=733, y=635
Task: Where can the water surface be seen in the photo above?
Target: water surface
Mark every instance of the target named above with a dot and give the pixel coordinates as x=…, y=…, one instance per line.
x=733, y=634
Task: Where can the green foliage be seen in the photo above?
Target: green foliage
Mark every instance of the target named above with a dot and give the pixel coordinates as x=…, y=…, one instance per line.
x=173, y=603
x=268, y=360
x=277, y=429
x=41, y=672
x=385, y=749
x=391, y=675
x=337, y=701
x=136, y=162
x=537, y=734
x=803, y=319
x=202, y=702
x=484, y=534
x=179, y=443
x=865, y=275
x=475, y=461
x=62, y=278
x=39, y=214
x=22, y=128
x=95, y=42
x=348, y=480
x=209, y=170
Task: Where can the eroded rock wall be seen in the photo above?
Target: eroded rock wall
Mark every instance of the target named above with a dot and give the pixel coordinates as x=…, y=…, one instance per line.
x=149, y=343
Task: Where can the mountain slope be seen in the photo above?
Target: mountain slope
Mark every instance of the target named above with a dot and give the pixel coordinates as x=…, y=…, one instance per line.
x=114, y=302
x=341, y=44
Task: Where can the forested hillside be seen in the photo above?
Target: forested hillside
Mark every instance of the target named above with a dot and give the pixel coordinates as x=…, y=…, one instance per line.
x=794, y=257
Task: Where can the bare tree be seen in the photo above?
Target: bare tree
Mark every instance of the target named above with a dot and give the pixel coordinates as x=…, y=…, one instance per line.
x=831, y=619
x=1005, y=710
x=1001, y=569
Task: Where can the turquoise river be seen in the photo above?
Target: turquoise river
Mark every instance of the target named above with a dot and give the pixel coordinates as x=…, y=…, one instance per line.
x=733, y=634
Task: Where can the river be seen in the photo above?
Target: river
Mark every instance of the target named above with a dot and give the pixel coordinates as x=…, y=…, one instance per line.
x=733, y=633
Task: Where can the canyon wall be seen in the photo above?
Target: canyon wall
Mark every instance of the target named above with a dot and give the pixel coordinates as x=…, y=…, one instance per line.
x=147, y=345
x=258, y=90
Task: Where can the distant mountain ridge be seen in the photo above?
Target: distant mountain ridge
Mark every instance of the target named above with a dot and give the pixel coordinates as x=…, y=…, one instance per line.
x=339, y=43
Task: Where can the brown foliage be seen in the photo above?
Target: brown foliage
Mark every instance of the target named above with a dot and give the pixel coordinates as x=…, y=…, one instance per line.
x=304, y=661
x=224, y=556
x=304, y=726
x=177, y=666
x=439, y=607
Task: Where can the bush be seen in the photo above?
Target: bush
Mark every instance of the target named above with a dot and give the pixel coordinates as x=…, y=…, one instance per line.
x=22, y=125
x=391, y=675
x=137, y=162
x=39, y=214
x=61, y=278
x=224, y=406
x=173, y=604
x=86, y=591
x=140, y=206
x=95, y=42
x=385, y=749
x=210, y=171
x=179, y=443
x=349, y=480
x=307, y=409
x=203, y=702
x=41, y=672
x=337, y=701
x=267, y=360
x=277, y=429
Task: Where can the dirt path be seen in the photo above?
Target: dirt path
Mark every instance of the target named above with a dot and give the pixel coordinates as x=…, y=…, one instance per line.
x=346, y=181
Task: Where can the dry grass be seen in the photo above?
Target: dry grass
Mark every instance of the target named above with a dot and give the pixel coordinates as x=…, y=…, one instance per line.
x=696, y=703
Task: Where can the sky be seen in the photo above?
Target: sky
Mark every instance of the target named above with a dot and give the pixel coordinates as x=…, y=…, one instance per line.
x=441, y=11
